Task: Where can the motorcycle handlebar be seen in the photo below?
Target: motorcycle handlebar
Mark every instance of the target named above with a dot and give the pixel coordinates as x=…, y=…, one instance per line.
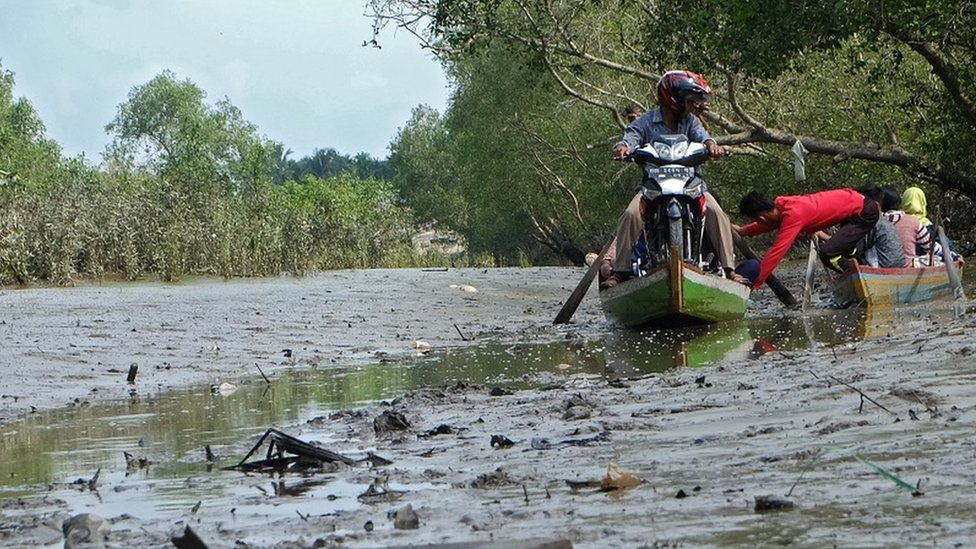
x=630, y=157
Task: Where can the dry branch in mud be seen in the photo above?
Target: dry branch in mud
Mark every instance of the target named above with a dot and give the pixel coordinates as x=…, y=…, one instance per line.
x=280, y=443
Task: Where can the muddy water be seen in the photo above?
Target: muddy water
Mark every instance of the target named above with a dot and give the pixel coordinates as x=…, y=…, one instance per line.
x=69, y=443
x=356, y=354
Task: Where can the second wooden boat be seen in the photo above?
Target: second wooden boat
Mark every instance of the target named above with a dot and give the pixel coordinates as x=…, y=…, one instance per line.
x=870, y=287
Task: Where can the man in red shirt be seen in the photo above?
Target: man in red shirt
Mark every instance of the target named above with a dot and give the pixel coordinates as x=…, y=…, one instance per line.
x=809, y=214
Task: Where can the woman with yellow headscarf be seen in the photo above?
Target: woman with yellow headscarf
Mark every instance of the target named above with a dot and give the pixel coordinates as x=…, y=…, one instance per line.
x=913, y=203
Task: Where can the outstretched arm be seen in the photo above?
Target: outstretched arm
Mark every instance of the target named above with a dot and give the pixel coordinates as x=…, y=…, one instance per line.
x=784, y=239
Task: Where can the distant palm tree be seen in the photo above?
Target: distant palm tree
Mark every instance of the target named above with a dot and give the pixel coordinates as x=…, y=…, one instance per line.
x=284, y=169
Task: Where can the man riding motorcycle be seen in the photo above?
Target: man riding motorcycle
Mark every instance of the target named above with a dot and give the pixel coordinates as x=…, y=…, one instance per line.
x=681, y=94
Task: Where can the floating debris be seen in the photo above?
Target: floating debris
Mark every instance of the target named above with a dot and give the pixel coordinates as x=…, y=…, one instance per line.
x=501, y=441
x=189, y=540
x=618, y=478
x=390, y=421
x=405, y=518
x=305, y=454
x=541, y=443
x=495, y=479
x=224, y=389
x=464, y=288
x=86, y=528
x=442, y=429
x=133, y=463
x=766, y=504
x=379, y=492
x=914, y=490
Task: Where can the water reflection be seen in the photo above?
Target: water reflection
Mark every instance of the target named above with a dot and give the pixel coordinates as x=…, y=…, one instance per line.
x=172, y=429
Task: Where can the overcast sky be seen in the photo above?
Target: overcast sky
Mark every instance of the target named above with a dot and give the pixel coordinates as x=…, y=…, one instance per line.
x=295, y=68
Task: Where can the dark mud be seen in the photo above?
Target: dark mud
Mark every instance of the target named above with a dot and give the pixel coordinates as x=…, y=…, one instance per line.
x=706, y=443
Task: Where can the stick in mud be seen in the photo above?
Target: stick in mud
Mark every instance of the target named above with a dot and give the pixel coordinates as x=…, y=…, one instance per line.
x=863, y=395
x=463, y=338
x=266, y=380
x=131, y=378
x=93, y=483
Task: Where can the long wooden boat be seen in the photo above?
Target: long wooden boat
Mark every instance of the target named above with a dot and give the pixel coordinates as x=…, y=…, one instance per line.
x=872, y=287
x=674, y=293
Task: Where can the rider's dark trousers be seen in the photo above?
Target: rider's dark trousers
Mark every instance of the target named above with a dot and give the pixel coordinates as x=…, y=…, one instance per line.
x=718, y=230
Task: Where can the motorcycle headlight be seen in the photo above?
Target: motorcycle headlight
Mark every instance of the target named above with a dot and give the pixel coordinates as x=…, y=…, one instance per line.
x=680, y=149
x=694, y=188
x=663, y=151
x=649, y=194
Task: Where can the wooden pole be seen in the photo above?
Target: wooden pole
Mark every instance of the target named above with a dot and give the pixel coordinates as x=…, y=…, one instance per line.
x=808, y=281
x=569, y=308
x=954, y=279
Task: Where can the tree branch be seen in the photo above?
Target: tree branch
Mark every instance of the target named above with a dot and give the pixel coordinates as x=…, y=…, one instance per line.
x=945, y=71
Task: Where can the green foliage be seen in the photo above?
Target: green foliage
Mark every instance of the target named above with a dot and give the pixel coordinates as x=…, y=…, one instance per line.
x=26, y=155
x=327, y=163
x=167, y=129
x=187, y=189
x=495, y=167
x=348, y=222
x=880, y=91
x=76, y=230
x=425, y=170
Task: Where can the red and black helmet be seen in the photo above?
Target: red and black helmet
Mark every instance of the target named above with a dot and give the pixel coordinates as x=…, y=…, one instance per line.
x=675, y=87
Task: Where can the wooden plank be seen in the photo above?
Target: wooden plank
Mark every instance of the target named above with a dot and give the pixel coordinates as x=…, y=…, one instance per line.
x=675, y=280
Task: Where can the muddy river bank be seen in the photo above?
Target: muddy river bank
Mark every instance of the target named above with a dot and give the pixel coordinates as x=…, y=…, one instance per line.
x=499, y=426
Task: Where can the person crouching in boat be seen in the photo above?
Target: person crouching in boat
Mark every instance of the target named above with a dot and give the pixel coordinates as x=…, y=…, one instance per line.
x=809, y=214
x=882, y=246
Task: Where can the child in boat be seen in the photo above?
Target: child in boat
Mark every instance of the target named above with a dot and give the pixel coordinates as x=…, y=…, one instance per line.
x=808, y=214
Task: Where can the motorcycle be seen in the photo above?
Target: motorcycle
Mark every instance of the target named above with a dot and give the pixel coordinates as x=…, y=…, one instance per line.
x=673, y=201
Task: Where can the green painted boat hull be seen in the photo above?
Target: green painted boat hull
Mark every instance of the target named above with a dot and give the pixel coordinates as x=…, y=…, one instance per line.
x=674, y=293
